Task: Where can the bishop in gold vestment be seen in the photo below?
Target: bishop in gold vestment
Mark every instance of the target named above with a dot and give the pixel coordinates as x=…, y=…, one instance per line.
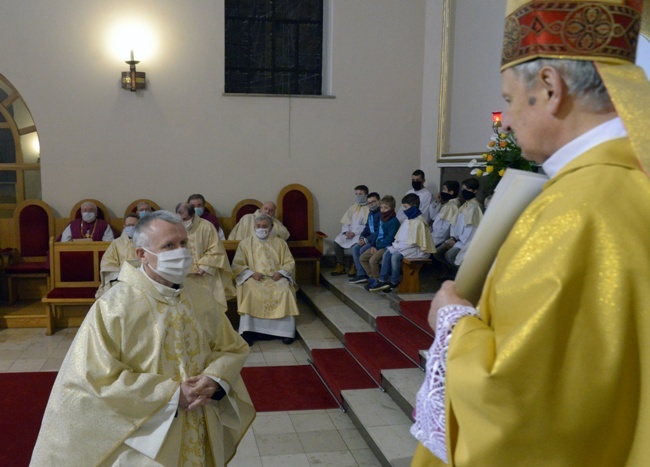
x=267, y=304
x=137, y=344
x=554, y=366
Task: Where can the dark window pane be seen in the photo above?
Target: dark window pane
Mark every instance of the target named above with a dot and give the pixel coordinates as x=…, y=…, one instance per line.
x=8, y=186
x=267, y=42
x=7, y=147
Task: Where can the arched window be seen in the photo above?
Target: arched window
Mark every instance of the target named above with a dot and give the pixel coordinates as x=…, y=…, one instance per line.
x=20, y=170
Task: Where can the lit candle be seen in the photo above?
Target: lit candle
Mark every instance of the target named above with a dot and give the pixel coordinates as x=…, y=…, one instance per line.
x=496, y=118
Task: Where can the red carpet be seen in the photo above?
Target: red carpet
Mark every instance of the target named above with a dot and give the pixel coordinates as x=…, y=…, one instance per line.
x=280, y=388
x=23, y=397
x=375, y=353
x=404, y=335
x=340, y=371
x=417, y=312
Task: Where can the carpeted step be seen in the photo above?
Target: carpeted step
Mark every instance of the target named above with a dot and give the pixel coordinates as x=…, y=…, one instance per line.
x=375, y=353
x=404, y=335
x=284, y=388
x=340, y=371
x=417, y=312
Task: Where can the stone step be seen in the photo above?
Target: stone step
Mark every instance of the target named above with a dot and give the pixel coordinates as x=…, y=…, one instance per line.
x=335, y=314
x=365, y=304
x=382, y=424
x=402, y=385
x=312, y=331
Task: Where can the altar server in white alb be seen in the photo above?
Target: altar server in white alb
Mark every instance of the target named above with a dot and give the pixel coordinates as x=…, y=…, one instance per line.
x=263, y=269
x=353, y=222
x=426, y=197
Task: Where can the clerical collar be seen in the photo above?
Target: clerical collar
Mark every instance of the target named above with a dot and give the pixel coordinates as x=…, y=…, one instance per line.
x=607, y=131
x=163, y=289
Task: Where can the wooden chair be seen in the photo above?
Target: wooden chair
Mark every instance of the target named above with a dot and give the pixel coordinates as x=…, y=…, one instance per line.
x=34, y=225
x=296, y=211
x=131, y=207
x=102, y=211
x=210, y=209
x=75, y=277
x=245, y=206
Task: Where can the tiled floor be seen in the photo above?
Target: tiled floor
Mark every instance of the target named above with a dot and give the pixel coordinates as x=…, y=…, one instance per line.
x=286, y=439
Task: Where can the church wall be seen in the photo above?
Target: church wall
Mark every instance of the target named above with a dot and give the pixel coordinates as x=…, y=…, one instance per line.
x=182, y=135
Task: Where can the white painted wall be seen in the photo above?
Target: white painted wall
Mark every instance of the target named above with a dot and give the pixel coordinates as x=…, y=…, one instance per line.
x=181, y=135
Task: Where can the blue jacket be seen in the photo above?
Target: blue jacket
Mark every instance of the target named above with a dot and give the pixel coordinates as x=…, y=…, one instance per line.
x=371, y=229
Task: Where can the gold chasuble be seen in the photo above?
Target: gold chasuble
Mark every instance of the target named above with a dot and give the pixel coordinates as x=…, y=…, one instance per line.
x=209, y=255
x=267, y=299
x=136, y=345
x=570, y=344
x=119, y=251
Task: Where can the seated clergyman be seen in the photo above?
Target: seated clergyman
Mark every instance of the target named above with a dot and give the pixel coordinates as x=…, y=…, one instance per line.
x=246, y=225
x=263, y=270
x=119, y=251
x=89, y=227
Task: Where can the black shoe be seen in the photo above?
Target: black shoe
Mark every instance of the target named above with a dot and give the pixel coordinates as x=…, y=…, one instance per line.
x=370, y=284
x=379, y=286
x=288, y=340
x=390, y=288
x=358, y=279
x=249, y=338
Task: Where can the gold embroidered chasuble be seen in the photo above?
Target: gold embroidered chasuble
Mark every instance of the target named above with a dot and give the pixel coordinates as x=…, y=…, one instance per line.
x=246, y=227
x=119, y=251
x=128, y=358
x=565, y=310
x=209, y=255
x=266, y=298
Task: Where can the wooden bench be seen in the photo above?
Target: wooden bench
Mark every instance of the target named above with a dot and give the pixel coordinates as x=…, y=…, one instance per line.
x=74, y=277
x=411, y=275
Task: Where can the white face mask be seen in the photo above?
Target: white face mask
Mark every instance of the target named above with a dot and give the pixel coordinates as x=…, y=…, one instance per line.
x=262, y=233
x=173, y=265
x=188, y=224
x=129, y=230
x=88, y=216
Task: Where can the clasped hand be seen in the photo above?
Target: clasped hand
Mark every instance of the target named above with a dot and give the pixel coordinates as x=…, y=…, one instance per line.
x=197, y=391
x=258, y=276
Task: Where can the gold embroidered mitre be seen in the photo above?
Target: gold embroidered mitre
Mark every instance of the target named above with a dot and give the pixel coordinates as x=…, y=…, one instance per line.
x=604, y=32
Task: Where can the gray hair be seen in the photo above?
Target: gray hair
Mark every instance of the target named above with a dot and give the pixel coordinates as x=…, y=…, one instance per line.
x=88, y=204
x=187, y=207
x=581, y=77
x=142, y=229
x=264, y=217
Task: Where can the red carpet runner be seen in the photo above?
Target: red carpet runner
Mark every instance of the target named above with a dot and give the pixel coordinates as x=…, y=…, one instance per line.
x=404, y=335
x=417, y=311
x=23, y=397
x=340, y=371
x=281, y=388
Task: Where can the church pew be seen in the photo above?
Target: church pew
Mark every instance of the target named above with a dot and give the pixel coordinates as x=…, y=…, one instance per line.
x=411, y=275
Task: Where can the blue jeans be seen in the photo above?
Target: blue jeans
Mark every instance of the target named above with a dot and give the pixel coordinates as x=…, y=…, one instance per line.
x=357, y=250
x=391, y=267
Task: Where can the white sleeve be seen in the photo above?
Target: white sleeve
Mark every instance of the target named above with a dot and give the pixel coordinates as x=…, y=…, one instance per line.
x=108, y=234
x=66, y=236
x=148, y=439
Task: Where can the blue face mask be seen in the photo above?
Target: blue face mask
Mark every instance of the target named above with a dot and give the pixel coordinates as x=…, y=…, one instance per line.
x=129, y=230
x=142, y=214
x=198, y=211
x=412, y=212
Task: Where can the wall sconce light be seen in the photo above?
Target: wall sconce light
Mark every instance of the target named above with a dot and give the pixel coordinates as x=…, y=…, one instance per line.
x=132, y=79
x=496, y=121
